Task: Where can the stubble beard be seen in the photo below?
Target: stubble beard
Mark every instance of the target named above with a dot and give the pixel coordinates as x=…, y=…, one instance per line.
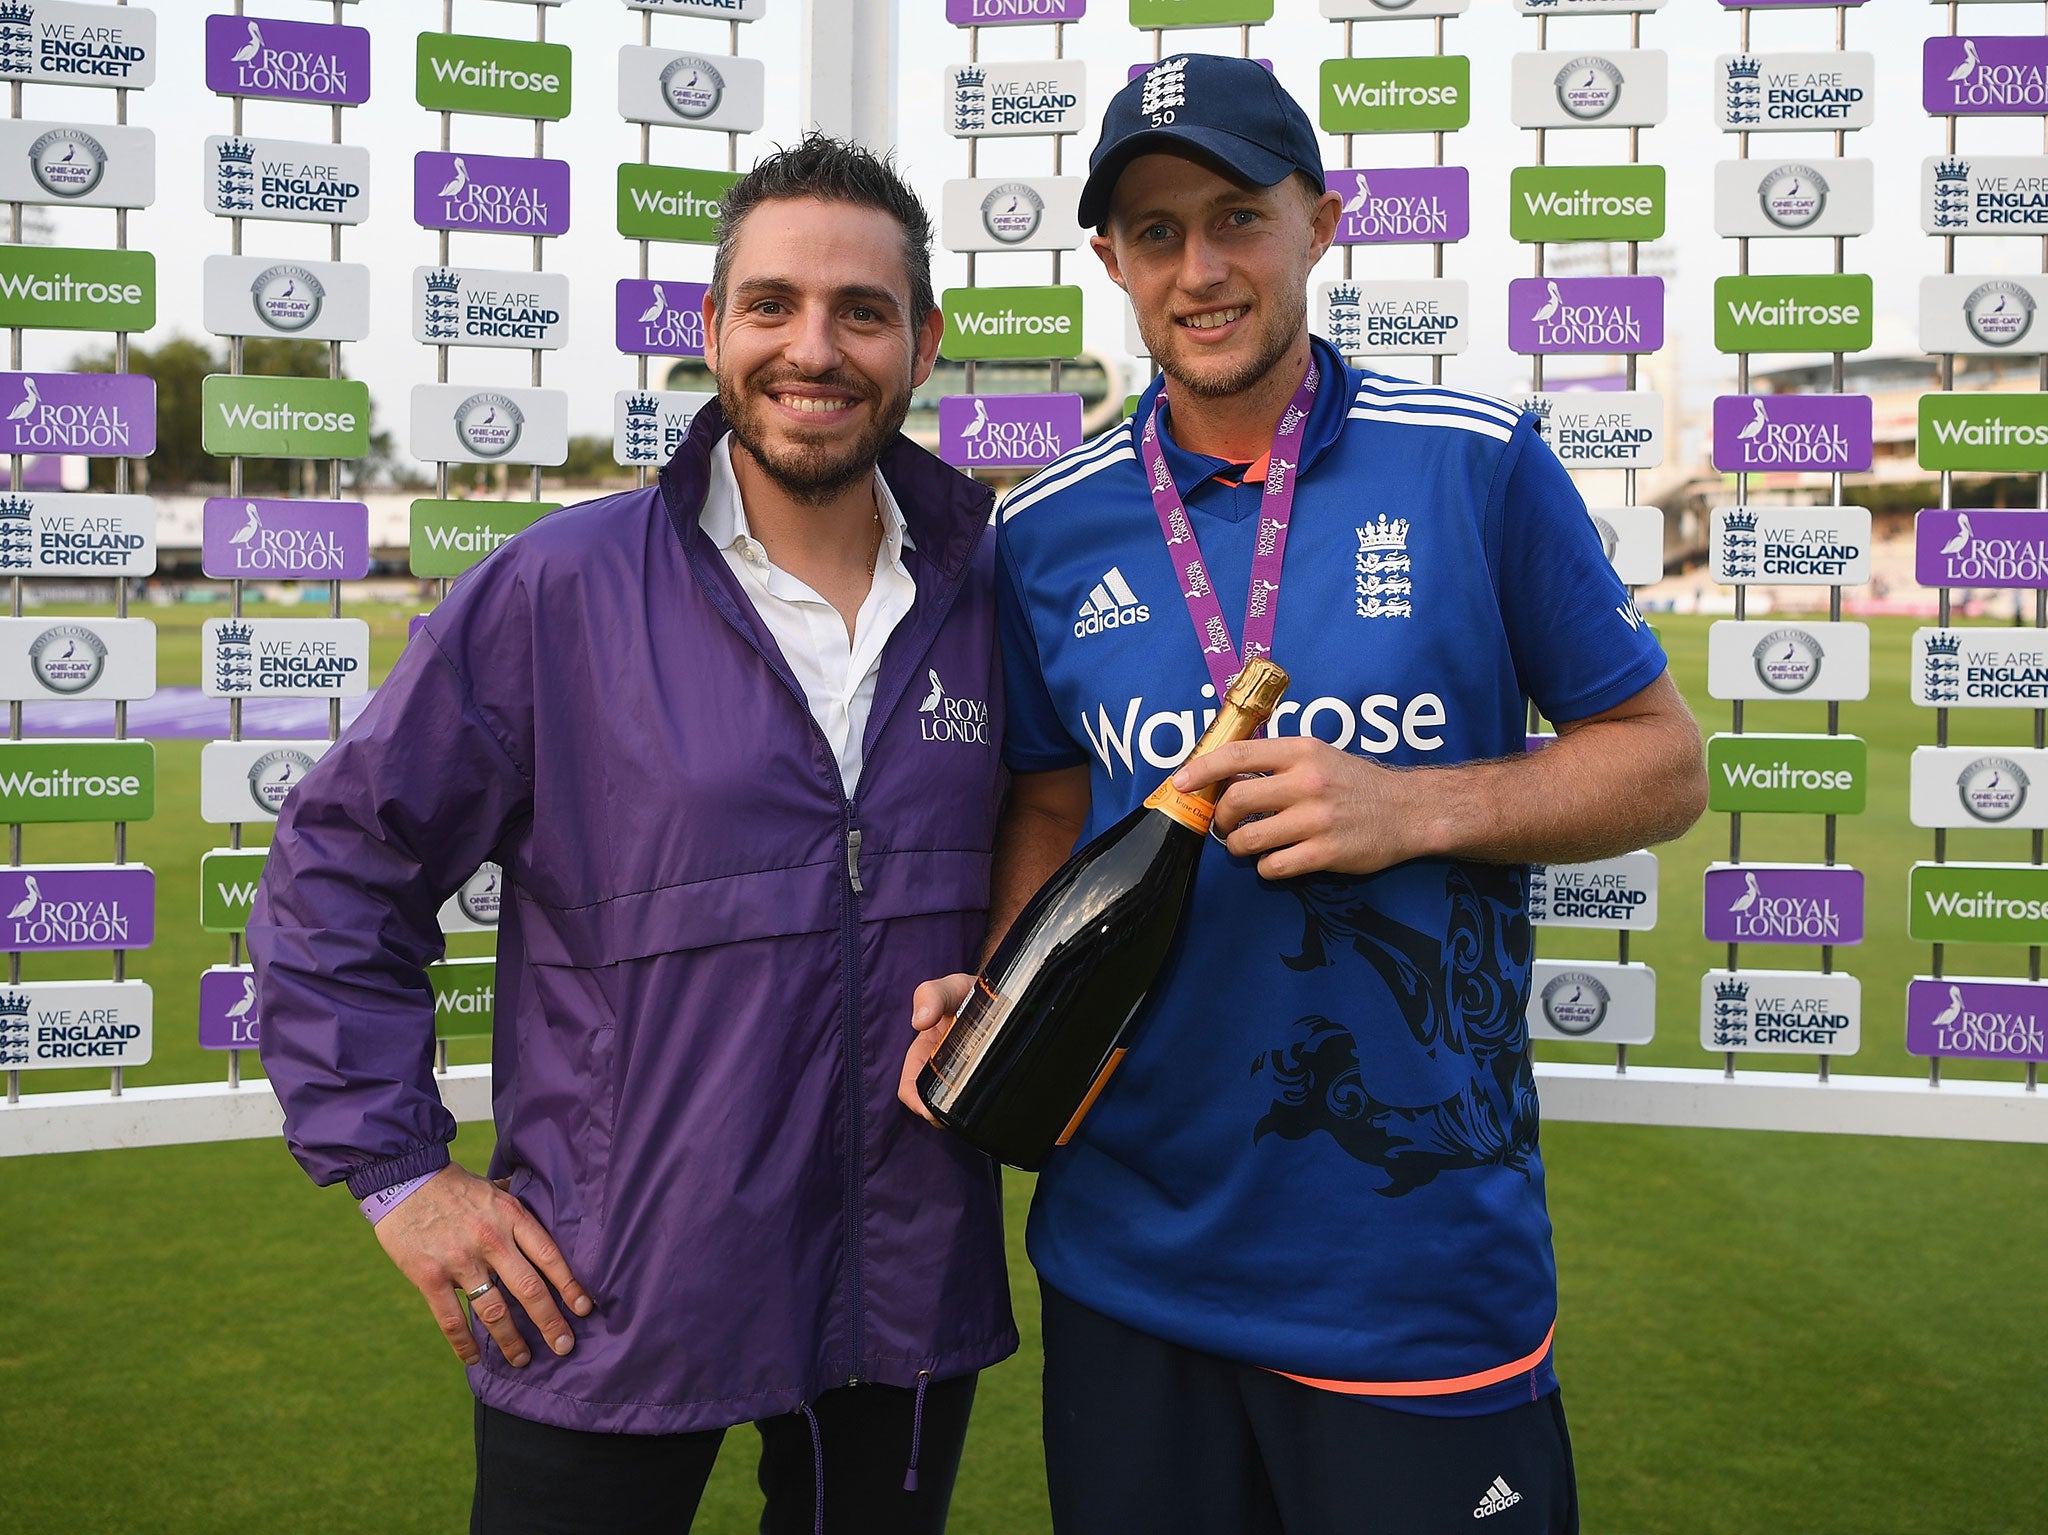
x=812, y=473
x=1287, y=313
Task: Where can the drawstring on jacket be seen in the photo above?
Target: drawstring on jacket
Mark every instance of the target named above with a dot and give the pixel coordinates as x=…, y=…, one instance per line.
x=916, y=1431
x=817, y=1468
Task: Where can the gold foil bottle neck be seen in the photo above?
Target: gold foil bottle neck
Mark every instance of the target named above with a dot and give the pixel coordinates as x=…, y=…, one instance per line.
x=1246, y=706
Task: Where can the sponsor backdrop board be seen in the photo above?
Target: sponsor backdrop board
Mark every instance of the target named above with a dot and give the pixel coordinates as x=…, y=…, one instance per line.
x=1979, y=1017
x=81, y=658
x=46, y=1025
x=250, y=780
x=1600, y=428
x=1402, y=205
x=1788, y=658
x=284, y=657
x=1789, y=545
x=1983, y=316
x=1565, y=88
x=461, y=423
x=53, y=907
x=720, y=92
x=228, y=1019
x=1980, y=786
x=315, y=183
x=1759, y=772
x=46, y=533
x=1980, y=668
x=477, y=306
x=1783, y=903
x=474, y=908
x=1596, y=1002
x=1774, y=199
x=1633, y=538
x=1616, y=893
x=648, y=425
x=1781, y=1012
x=304, y=300
x=257, y=539
x=1418, y=317
x=1003, y=100
x=1016, y=213
x=76, y=780
x=1794, y=92
x=1977, y=903
x=227, y=887
x=464, y=996
x=79, y=165
x=450, y=536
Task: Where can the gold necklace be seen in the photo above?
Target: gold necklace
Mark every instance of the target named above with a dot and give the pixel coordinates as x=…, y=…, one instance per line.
x=876, y=553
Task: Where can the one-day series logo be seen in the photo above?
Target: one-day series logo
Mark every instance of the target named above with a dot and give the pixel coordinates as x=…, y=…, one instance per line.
x=72, y=44
x=1008, y=431
x=1783, y=1012
x=1792, y=433
x=1625, y=89
x=108, y=415
x=1597, y=1001
x=281, y=179
x=1406, y=205
x=662, y=318
x=49, y=534
x=78, y=906
x=251, y=780
x=254, y=538
x=59, y=164
x=714, y=92
x=1417, y=317
x=1794, y=92
x=459, y=423
x=1585, y=314
x=1784, y=903
x=999, y=100
x=493, y=194
x=1020, y=213
x=1983, y=315
x=1772, y=199
x=287, y=60
x=49, y=1024
x=1768, y=658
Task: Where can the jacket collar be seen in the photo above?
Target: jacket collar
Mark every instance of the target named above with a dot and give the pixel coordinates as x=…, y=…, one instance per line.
x=945, y=511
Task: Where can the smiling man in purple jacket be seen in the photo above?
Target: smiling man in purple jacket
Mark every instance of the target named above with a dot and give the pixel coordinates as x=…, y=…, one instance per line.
x=733, y=739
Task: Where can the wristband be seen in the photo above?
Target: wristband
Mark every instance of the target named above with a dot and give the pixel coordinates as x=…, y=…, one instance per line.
x=384, y=1201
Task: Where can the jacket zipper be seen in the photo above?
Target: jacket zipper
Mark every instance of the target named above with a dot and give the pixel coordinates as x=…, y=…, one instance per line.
x=856, y=1099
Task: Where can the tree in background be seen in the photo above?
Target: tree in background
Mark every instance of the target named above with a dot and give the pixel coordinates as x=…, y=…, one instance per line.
x=180, y=366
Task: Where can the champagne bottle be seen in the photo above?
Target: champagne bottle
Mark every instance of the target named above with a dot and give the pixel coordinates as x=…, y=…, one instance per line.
x=1049, y=1017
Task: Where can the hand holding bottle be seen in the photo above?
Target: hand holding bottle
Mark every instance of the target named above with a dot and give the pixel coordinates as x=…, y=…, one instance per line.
x=932, y=1010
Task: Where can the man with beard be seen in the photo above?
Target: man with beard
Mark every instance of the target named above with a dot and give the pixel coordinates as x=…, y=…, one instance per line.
x=1317, y=1294
x=698, y=727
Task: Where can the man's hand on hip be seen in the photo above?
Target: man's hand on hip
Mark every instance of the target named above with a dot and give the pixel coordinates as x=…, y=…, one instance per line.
x=459, y=1232
x=1313, y=809
x=933, y=1004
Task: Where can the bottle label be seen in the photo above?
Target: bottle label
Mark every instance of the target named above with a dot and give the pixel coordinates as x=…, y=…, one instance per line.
x=1194, y=811
x=966, y=1040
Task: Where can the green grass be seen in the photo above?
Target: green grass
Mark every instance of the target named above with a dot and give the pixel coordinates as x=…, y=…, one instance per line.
x=1760, y=1333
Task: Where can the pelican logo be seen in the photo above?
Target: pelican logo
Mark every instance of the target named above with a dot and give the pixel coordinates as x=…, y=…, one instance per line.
x=482, y=895
x=489, y=424
x=1011, y=213
x=692, y=87
x=1574, y=1003
x=287, y=297
x=67, y=162
x=274, y=775
x=1793, y=196
x=1993, y=789
x=1588, y=87
x=1788, y=661
x=942, y=717
x=67, y=659
x=1999, y=313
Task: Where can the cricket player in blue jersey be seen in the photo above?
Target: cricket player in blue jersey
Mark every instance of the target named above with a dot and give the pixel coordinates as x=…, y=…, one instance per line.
x=1296, y=1266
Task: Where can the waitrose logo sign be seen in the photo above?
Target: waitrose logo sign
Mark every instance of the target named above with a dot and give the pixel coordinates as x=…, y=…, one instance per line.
x=1586, y=202
x=1827, y=313
x=65, y=289
x=1423, y=94
x=668, y=202
x=496, y=76
x=1012, y=322
x=1790, y=774
x=77, y=780
x=1984, y=431
x=450, y=536
x=285, y=417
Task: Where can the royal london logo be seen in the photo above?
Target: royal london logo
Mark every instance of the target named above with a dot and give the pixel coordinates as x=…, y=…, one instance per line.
x=1992, y=789
x=942, y=717
x=274, y=775
x=1742, y=91
x=287, y=297
x=692, y=87
x=1110, y=604
x=1730, y=1023
x=1384, y=581
x=1941, y=668
x=970, y=100
x=1165, y=90
x=1951, y=193
x=1999, y=313
x=67, y=659
x=489, y=424
x=482, y=897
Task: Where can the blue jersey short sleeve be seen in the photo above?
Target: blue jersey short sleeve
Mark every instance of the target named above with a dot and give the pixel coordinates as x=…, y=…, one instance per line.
x=1034, y=741
x=1579, y=645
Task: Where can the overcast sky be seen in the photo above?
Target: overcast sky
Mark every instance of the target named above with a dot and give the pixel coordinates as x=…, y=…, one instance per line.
x=181, y=112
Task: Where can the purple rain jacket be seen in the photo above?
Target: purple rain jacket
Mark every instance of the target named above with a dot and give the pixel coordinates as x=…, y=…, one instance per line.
x=705, y=958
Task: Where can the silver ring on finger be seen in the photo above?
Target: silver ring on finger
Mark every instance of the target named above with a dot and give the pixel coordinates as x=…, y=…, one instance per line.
x=481, y=1290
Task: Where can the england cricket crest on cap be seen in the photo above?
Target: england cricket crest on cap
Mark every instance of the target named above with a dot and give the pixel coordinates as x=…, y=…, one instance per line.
x=1164, y=91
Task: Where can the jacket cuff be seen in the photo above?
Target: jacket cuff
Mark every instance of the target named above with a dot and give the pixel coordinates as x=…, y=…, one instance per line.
x=378, y=1176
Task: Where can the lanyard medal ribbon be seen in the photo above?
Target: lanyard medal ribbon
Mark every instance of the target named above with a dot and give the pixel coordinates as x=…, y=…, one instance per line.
x=1276, y=509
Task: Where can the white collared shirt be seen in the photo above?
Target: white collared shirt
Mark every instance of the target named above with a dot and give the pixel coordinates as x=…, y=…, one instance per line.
x=837, y=673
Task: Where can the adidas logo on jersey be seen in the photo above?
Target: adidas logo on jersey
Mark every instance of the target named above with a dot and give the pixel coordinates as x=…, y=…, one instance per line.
x=1499, y=1497
x=1111, y=605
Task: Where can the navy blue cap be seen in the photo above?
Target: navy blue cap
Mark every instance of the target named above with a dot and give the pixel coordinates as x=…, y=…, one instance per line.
x=1227, y=112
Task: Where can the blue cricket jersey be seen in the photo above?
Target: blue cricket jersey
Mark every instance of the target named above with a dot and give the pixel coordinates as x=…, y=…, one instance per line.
x=1320, y=1154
